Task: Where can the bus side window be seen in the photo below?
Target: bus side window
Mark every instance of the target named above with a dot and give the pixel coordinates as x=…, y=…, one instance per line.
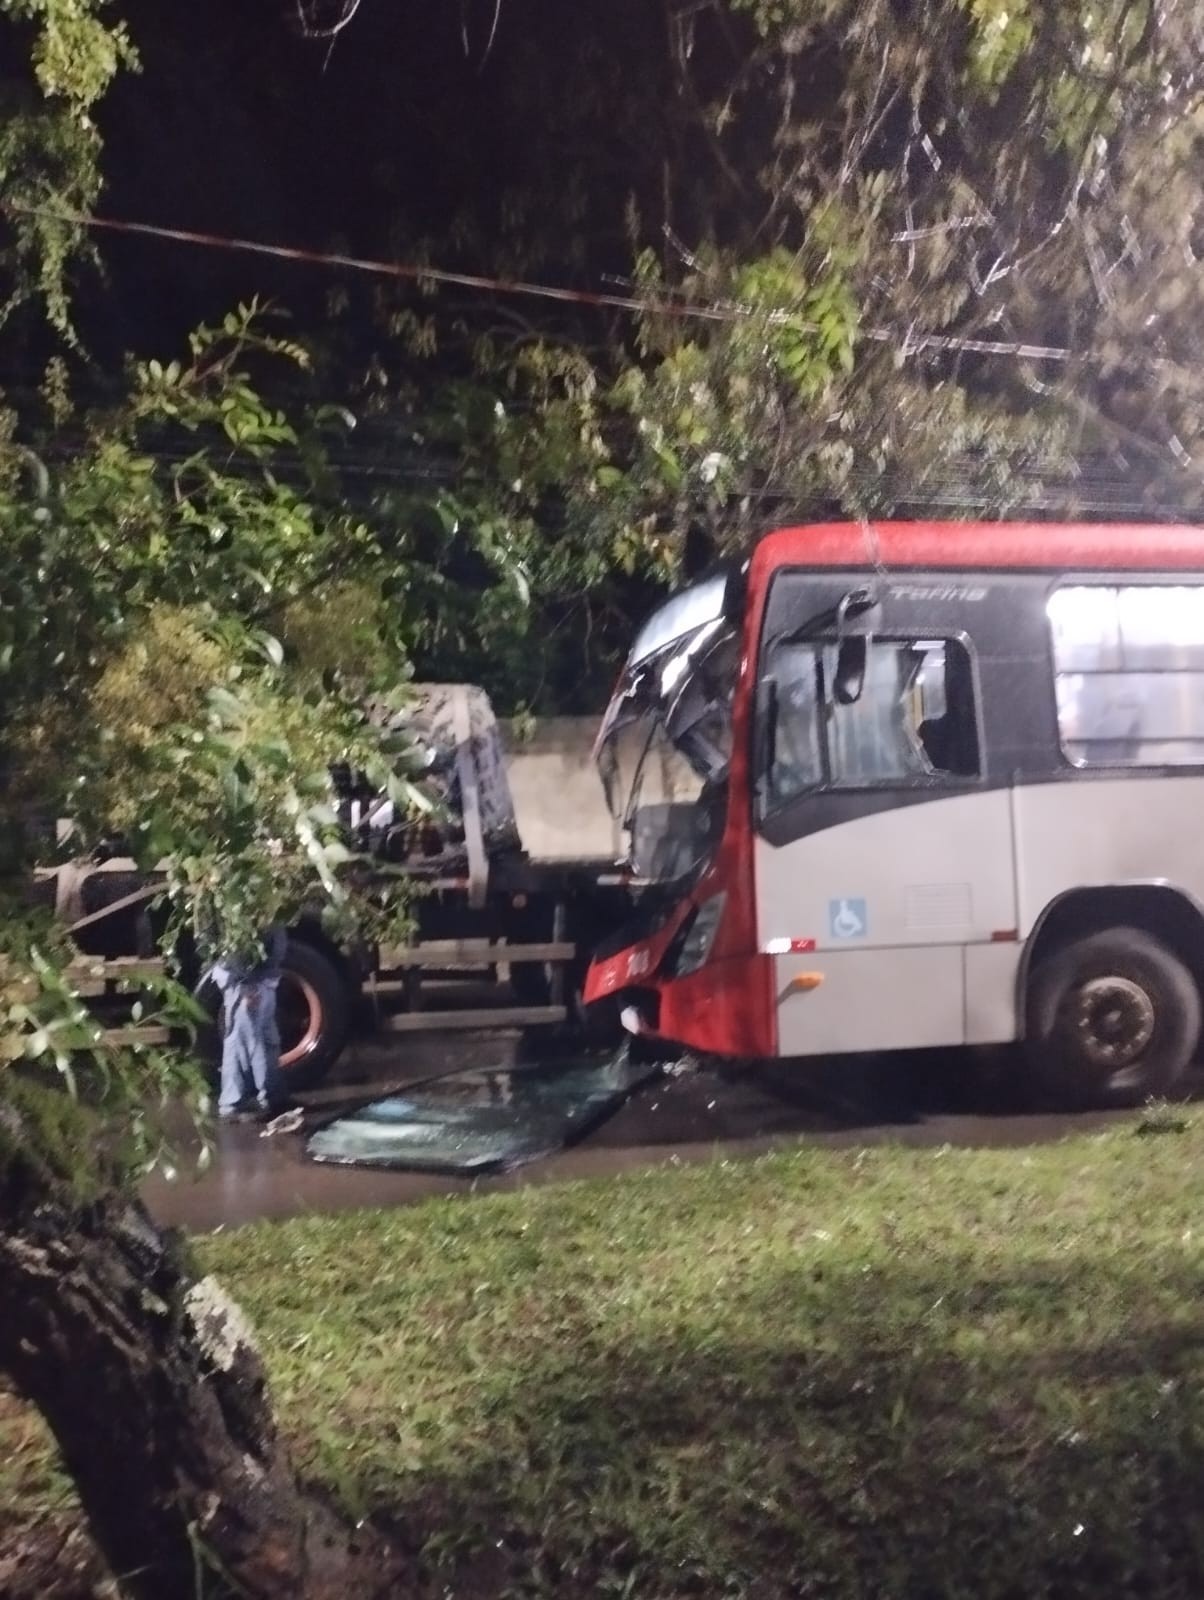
x=915, y=719
x=948, y=719
x=796, y=764
x=1129, y=673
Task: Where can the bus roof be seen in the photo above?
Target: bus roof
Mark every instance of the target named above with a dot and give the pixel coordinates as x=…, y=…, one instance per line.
x=956, y=546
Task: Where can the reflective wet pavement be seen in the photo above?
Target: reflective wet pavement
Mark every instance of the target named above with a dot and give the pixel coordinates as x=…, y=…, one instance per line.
x=699, y=1115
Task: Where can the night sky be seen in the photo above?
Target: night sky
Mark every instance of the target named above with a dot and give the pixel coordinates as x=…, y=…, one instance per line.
x=237, y=125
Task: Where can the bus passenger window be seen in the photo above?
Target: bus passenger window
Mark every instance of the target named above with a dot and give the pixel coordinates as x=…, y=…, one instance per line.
x=1129, y=673
x=915, y=718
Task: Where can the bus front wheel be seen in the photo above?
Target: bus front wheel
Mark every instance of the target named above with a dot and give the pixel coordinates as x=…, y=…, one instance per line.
x=1112, y=1019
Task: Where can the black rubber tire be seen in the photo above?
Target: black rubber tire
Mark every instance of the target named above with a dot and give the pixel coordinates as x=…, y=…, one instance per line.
x=598, y=1026
x=125, y=932
x=1061, y=1068
x=323, y=1002
x=531, y=983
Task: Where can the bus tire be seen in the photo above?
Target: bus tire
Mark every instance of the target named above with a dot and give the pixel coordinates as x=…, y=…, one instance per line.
x=314, y=1013
x=1113, y=1019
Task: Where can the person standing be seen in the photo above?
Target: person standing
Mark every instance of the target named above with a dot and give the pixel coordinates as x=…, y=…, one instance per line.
x=250, y=1036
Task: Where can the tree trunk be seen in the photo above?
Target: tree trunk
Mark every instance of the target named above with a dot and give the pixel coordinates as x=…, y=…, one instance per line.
x=157, y=1397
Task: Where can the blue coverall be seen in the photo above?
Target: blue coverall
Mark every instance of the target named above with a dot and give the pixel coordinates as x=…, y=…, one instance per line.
x=251, y=1039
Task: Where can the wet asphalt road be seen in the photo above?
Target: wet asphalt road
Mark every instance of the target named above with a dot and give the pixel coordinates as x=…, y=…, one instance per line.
x=702, y=1115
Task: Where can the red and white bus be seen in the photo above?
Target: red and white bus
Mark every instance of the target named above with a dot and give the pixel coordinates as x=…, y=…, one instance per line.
x=906, y=785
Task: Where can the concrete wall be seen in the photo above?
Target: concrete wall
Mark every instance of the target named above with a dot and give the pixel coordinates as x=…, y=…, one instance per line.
x=558, y=800
x=557, y=793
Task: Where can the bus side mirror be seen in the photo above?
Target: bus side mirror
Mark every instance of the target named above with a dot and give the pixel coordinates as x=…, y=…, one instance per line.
x=852, y=648
x=851, y=660
x=857, y=603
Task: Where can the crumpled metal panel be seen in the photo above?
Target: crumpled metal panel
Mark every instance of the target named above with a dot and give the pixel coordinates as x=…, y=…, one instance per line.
x=476, y=1122
x=454, y=738
x=430, y=717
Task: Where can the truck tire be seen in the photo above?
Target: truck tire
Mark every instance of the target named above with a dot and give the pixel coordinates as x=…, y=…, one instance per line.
x=313, y=1010
x=1113, y=1019
x=531, y=983
x=126, y=932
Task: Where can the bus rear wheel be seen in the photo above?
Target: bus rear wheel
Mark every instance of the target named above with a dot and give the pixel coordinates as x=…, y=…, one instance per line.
x=1113, y=1019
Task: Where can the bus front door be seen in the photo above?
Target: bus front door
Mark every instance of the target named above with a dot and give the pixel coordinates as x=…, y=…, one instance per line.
x=883, y=864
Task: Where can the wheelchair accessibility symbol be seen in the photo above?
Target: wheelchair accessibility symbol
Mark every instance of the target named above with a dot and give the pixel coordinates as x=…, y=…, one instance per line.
x=847, y=919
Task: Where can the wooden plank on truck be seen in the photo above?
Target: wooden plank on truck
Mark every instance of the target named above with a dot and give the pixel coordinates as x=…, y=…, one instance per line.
x=471, y=953
x=117, y=1038
x=498, y=1017
x=91, y=975
x=124, y=904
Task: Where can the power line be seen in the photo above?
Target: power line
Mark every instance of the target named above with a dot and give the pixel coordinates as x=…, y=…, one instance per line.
x=910, y=343
x=1031, y=488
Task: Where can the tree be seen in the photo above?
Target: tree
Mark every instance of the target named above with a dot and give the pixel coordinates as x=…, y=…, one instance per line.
x=159, y=526
x=883, y=256
x=941, y=258
x=106, y=1327
x=944, y=254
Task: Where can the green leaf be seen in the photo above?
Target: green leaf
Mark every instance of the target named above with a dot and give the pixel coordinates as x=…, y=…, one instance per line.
x=227, y=705
x=272, y=649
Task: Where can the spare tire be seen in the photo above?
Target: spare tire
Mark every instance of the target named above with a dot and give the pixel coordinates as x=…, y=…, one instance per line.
x=313, y=1010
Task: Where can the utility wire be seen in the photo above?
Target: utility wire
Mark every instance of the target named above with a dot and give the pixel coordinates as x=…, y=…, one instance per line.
x=911, y=343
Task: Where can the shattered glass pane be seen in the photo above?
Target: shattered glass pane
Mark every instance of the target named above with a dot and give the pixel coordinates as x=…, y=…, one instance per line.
x=477, y=1122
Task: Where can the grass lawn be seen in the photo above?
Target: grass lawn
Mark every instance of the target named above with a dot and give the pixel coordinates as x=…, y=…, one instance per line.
x=888, y=1374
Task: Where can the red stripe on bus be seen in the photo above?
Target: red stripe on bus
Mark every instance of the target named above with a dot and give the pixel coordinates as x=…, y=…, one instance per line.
x=972, y=546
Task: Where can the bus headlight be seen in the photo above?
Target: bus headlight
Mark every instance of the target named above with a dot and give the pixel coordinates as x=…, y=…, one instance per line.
x=700, y=936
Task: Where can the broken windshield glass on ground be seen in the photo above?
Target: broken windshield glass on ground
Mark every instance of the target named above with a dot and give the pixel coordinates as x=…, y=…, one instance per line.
x=476, y=1122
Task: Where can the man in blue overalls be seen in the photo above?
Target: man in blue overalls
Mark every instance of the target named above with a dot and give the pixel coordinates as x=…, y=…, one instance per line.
x=250, y=1037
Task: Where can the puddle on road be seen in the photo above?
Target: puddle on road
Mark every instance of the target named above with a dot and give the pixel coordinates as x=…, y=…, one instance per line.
x=476, y=1122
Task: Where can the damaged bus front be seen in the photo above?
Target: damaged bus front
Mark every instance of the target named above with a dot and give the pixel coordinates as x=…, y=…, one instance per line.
x=665, y=755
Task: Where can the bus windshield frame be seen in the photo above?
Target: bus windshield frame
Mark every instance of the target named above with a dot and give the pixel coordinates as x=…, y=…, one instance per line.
x=672, y=705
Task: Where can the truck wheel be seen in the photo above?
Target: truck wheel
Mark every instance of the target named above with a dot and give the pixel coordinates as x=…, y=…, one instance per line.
x=1112, y=1019
x=598, y=1026
x=531, y=983
x=313, y=1012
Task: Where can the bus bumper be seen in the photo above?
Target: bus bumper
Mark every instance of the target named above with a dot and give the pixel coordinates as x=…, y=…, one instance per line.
x=724, y=1008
